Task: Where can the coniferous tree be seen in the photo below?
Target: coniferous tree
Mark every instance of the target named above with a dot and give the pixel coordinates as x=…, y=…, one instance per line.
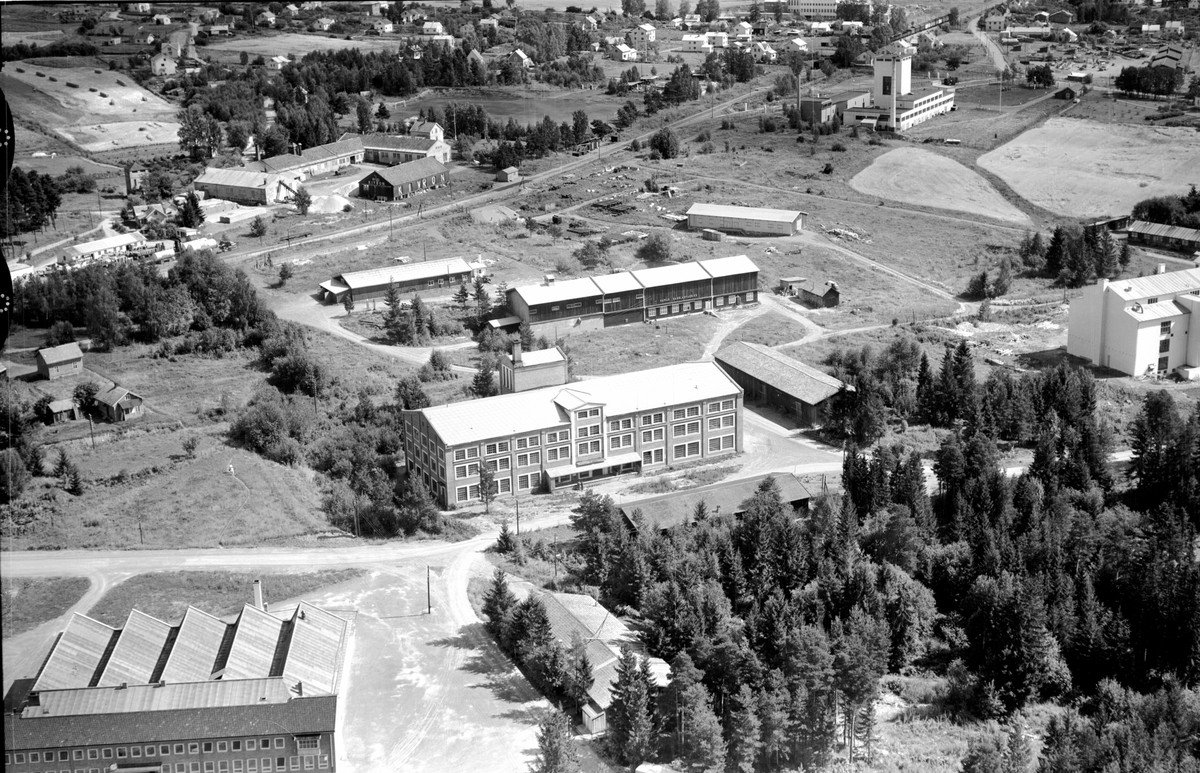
x=556, y=751
x=393, y=315
x=1056, y=253
x=410, y=395
x=1125, y=256
x=631, y=733
x=498, y=605
x=462, y=298
x=484, y=382
x=744, y=731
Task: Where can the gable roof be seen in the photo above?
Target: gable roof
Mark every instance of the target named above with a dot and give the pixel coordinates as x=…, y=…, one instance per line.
x=677, y=508
x=77, y=654
x=757, y=213
x=394, y=142
x=410, y=172
x=345, y=146
x=56, y=355
x=235, y=178
x=115, y=395
x=780, y=371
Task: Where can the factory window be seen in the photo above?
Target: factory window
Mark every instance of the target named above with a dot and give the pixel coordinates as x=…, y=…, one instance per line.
x=251, y=744
x=179, y=748
x=64, y=755
x=223, y=766
x=164, y=750
x=237, y=766
x=678, y=413
x=675, y=308
x=93, y=754
x=653, y=457
x=235, y=746
x=653, y=312
x=106, y=754
x=1164, y=328
x=504, y=485
x=693, y=411
x=20, y=758
x=727, y=405
x=222, y=746
x=460, y=495
x=252, y=765
x=1152, y=300
x=266, y=765
x=473, y=491
x=180, y=767
x=295, y=763
x=209, y=766
x=207, y=747
x=323, y=761
x=1164, y=346
x=732, y=299
x=136, y=751
x=308, y=763
x=121, y=754
x=77, y=754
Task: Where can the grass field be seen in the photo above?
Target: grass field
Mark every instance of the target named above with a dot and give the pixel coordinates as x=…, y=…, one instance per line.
x=1082, y=168
x=770, y=329
x=167, y=595
x=300, y=44
x=985, y=128
x=639, y=347
x=69, y=101
x=921, y=177
x=989, y=95
x=30, y=601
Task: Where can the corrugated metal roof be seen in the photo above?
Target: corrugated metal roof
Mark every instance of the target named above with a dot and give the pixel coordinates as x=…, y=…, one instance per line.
x=236, y=178
x=679, y=507
x=196, y=645
x=1156, y=311
x=571, y=290
x=277, y=164
x=343, y=147
x=750, y=213
x=314, y=651
x=138, y=650
x=110, y=699
x=1139, y=288
x=669, y=275
x=780, y=371
x=61, y=353
x=410, y=272
x=412, y=171
x=76, y=655
x=298, y=716
x=504, y=415
x=107, y=243
x=731, y=266
x=254, y=645
x=1168, y=231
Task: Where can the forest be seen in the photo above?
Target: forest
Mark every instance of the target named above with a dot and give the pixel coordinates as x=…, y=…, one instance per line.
x=1062, y=584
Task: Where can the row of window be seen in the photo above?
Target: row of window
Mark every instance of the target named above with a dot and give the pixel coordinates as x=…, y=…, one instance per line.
x=160, y=750
x=525, y=482
x=587, y=413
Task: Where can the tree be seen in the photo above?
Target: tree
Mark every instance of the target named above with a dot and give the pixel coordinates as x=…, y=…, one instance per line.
x=190, y=214
x=556, y=752
x=953, y=17
x=410, y=395
x=498, y=605
x=631, y=733
x=633, y=8
x=1125, y=257
x=85, y=395
x=190, y=444
x=363, y=113
x=1152, y=440
x=662, y=10
x=745, y=729
x=61, y=332
x=1003, y=279
x=487, y=487
x=656, y=248
x=1040, y=77
x=348, y=303
x=302, y=200
x=462, y=298
x=665, y=142
x=258, y=227
x=393, y=314
x=14, y=476
x=1018, y=756
x=484, y=382
x=1055, y=255
x=285, y=273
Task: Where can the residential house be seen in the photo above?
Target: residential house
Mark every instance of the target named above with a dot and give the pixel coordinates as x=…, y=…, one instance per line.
x=144, y=37
x=218, y=30
x=312, y=5
x=489, y=23
x=521, y=58
x=161, y=19
x=623, y=53
x=1061, y=18
x=374, y=7
x=763, y=52
x=561, y=436
x=589, y=23
x=1152, y=30
x=265, y=19
x=1041, y=17
x=642, y=36
x=1140, y=326
x=1173, y=29
x=119, y=404
x=404, y=180
x=743, y=31
x=161, y=64
x=433, y=28
x=782, y=382
x=56, y=362
x=277, y=63
x=139, y=8
x=1066, y=93
x=996, y=21
x=697, y=44
x=323, y=24
x=382, y=26
x=476, y=60
x=509, y=174
x=428, y=129
x=291, y=11
x=718, y=39
x=449, y=41
x=797, y=45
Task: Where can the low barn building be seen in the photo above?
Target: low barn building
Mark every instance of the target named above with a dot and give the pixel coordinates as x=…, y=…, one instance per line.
x=59, y=411
x=56, y=362
x=119, y=404
x=243, y=187
x=531, y=370
x=428, y=276
x=392, y=149
x=810, y=291
x=400, y=182
x=114, y=247
x=508, y=175
x=1170, y=236
x=678, y=508
x=779, y=381
x=747, y=220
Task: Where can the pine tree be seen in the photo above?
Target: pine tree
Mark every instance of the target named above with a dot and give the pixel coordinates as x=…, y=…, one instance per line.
x=505, y=542
x=1018, y=756
x=484, y=383
x=1126, y=256
x=487, y=487
x=393, y=315
x=1107, y=254
x=62, y=465
x=410, y=395
x=556, y=751
x=1056, y=253
x=420, y=321
x=528, y=342
x=498, y=605
x=462, y=298
x=631, y=734
x=744, y=732
x=926, y=391
x=74, y=481
x=773, y=719
x=1003, y=281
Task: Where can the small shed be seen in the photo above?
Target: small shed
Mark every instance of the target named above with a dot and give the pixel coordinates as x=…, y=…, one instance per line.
x=1066, y=93
x=811, y=292
x=56, y=362
x=59, y=411
x=508, y=175
x=119, y=404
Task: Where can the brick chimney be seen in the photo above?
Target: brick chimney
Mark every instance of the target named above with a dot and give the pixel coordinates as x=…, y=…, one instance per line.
x=258, y=596
x=516, y=353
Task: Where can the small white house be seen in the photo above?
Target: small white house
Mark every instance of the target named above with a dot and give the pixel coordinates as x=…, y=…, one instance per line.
x=589, y=23
x=743, y=31
x=522, y=58
x=382, y=26
x=623, y=53
x=763, y=52
x=432, y=28
x=489, y=23
x=718, y=39
x=265, y=19
x=799, y=45
x=277, y=63
x=323, y=24
x=162, y=64
x=162, y=19
x=697, y=44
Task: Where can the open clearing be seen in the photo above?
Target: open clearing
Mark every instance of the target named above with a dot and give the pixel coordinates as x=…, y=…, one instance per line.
x=916, y=176
x=69, y=102
x=30, y=601
x=300, y=45
x=1082, y=168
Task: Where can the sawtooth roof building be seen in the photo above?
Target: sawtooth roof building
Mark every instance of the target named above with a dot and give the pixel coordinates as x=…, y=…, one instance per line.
x=255, y=693
x=643, y=295
x=560, y=436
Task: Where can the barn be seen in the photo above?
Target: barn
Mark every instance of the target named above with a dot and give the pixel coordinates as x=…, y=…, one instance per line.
x=429, y=276
x=779, y=381
x=508, y=175
x=811, y=292
x=392, y=149
x=746, y=220
x=400, y=182
x=243, y=187
x=57, y=362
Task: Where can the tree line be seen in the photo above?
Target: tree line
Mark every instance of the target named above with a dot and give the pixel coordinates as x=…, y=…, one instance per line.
x=1183, y=211
x=1159, y=81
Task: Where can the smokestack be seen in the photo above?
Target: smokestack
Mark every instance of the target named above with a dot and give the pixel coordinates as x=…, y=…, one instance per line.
x=258, y=596
x=1161, y=268
x=516, y=357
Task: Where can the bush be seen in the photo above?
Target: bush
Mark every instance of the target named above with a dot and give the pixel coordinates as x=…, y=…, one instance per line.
x=838, y=148
x=704, y=136
x=61, y=332
x=666, y=143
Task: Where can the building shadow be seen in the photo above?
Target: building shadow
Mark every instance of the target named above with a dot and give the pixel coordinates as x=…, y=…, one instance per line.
x=484, y=658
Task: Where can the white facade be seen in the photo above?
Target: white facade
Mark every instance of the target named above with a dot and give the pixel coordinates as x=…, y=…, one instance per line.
x=1137, y=326
x=642, y=36
x=623, y=53
x=696, y=44
x=814, y=9
x=718, y=39
x=996, y=22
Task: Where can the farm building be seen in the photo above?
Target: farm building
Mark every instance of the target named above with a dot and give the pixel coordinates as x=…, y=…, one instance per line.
x=109, y=248
x=1138, y=326
x=404, y=180
x=1066, y=93
x=896, y=104
x=747, y=220
x=392, y=149
x=193, y=690
x=678, y=508
x=636, y=296
x=430, y=130
x=410, y=278
x=810, y=291
x=557, y=437
x=58, y=411
x=119, y=404
x=55, y=362
x=243, y=187
x=580, y=618
x=508, y=175
x=531, y=370
x=779, y=381
x=1169, y=236
x=1062, y=18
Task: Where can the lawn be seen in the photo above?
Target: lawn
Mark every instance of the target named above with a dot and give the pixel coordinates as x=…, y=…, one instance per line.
x=770, y=329
x=989, y=95
x=639, y=347
x=167, y=595
x=30, y=601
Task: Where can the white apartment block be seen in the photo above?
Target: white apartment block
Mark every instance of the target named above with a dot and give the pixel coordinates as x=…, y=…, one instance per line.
x=1146, y=325
x=817, y=10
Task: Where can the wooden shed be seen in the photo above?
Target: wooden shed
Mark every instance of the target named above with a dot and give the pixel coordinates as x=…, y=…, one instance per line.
x=508, y=175
x=779, y=381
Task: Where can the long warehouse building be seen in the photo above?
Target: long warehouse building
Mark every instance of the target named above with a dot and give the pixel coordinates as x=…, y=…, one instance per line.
x=637, y=296
x=426, y=277
x=745, y=220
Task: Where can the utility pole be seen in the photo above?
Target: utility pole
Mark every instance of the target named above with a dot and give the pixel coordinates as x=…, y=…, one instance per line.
x=428, y=593
x=518, y=516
